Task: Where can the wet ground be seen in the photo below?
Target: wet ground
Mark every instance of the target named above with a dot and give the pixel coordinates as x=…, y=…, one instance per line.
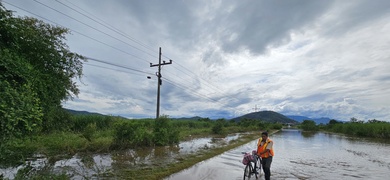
x=298, y=155
x=89, y=166
x=301, y=156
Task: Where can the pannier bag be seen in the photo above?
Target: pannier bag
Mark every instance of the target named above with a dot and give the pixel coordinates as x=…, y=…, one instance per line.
x=248, y=158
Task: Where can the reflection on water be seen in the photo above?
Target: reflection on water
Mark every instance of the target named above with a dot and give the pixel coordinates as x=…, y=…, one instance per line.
x=329, y=156
x=308, y=134
x=301, y=155
x=86, y=166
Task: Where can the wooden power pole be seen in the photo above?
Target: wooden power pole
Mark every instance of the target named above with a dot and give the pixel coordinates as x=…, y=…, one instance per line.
x=159, y=82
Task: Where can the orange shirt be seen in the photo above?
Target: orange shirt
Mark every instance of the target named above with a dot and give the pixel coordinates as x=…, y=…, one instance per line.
x=261, y=146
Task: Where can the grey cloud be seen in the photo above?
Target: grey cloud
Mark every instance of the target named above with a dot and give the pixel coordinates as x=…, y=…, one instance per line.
x=174, y=96
x=120, y=87
x=236, y=25
x=355, y=14
x=262, y=24
x=346, y=76
x=212, y=57
x=316, y=81
x=237, y=97
x=171, y=21
x=383, y=78
x=211, y=113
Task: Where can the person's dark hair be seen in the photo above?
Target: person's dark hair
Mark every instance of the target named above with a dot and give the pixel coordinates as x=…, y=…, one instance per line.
x=264, y=133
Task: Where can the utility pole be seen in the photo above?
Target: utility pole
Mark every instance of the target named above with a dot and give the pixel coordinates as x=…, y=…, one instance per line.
x=159, y=82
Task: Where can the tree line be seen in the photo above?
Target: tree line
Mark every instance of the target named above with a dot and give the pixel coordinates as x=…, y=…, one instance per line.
x=372, y=128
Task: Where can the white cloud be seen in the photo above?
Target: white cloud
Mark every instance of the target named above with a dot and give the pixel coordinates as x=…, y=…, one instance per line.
x=314, y=58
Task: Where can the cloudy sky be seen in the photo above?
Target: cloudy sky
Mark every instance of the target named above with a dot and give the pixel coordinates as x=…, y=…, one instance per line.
x=313, y=58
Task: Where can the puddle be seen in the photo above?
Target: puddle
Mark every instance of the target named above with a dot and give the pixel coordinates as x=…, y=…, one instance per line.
x=85, y=166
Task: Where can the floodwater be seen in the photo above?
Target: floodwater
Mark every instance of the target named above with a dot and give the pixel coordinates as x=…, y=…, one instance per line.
x=95, y=166
x=304, y=156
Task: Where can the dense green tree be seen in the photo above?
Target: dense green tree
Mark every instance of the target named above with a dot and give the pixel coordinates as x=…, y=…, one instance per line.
x=332, y=121
x=353, y=120
x=309, y=125
x=218, y=126
x=164, y=133
x=37, y=74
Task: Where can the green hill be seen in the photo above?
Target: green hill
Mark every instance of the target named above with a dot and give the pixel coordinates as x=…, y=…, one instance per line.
x=267, y=116
x=74, y=112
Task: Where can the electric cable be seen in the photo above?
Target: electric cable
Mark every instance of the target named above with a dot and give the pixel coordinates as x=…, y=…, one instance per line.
x=113, y=29
x=88, y=26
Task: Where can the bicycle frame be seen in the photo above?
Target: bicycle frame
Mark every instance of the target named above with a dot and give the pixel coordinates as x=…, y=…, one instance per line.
x=252, y=167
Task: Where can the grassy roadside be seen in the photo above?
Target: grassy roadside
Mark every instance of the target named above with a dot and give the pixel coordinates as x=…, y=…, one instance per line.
x=102, y=134
x=163, y=171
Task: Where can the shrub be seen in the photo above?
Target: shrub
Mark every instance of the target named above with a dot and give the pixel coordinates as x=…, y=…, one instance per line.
x=309, y=125
x=89, y=131
x=20, y=113
x=57, y=119
x=131, y=134
x=277, y=126
x=164, y=133
x=374, y=129
x=218, y=127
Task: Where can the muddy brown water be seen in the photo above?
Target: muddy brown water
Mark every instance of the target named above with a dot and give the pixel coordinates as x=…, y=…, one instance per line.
x=300, y=155
x=94, y=166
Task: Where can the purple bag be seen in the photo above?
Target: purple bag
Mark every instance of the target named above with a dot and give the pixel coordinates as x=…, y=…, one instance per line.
x=247, y=158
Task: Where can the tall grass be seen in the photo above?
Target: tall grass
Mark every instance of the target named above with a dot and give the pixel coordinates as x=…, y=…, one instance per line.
x=97, y=133
x=80, y=122
x=374, y=130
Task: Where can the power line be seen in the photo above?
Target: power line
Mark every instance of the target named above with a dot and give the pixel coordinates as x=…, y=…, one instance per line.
x=82, y=34
x=94, y=59
x=117, y=31
x=116, y=70
x=100, y=24
x=184, y=88
x=112, y=64
x=212, y=88
x=207, y=83
x=111, y=28
x=132, y=38
x=88, y=26
x=168, y=81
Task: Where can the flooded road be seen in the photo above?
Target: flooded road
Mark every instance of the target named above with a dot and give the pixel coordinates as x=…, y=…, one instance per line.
x=300, y=155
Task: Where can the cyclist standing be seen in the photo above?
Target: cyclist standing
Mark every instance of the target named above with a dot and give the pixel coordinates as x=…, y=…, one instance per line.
x=266, y=152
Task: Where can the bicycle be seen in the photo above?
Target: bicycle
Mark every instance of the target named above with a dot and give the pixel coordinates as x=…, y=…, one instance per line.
x=252, y=164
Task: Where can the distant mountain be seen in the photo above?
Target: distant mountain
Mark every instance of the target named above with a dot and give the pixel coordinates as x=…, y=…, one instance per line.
x=188, y=118
x=268, y=116
x=74, y=112
x=82, y=112
x=323, y=120
x=298, y=118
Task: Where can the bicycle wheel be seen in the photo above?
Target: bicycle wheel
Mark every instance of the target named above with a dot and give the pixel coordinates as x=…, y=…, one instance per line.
x=247, y=171
x=258, y=167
